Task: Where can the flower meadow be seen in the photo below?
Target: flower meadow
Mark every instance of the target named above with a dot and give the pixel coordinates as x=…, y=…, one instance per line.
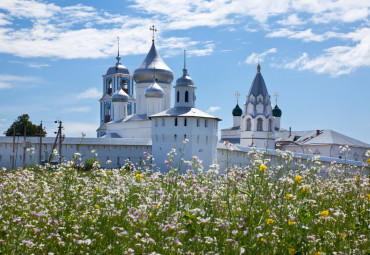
x=263, y=208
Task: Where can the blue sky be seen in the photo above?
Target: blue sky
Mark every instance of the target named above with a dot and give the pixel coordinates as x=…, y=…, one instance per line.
x=314, y=54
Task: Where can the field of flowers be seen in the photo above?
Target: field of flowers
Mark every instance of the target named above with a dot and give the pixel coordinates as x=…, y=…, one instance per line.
x=262, y=209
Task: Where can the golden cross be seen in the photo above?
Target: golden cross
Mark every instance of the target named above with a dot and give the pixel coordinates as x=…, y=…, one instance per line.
x=276, y=95
x=153, y=29
x=237, y=96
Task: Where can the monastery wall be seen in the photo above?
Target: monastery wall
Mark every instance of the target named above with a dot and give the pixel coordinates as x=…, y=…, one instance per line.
x=117, y=150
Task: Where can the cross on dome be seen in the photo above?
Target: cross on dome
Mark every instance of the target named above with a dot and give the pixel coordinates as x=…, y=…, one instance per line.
x=276, y=95
x=237, y=94
x=153, y=29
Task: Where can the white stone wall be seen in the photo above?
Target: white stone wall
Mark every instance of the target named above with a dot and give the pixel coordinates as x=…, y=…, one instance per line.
x=202, y=139
x=132, y=129
x=116, y=150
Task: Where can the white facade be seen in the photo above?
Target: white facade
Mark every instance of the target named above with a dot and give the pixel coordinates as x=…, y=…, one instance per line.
x=184, y=122
x=130, y=120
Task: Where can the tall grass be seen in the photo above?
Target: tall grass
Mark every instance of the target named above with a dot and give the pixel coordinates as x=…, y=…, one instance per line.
x=262, y=209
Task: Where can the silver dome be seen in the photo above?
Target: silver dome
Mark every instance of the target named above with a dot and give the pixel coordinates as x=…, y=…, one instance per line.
x=154, y=90
x=120, y=96
x=118, y=68
x=185, y=80
x=144, y=73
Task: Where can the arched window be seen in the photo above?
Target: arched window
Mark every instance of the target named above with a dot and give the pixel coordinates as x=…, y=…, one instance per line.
x=109, y=86
x=107, y=113
x=178, y=96
x=259, y=124
x=249, y=124
x=175, y=138
x=124, y=84
x=270, y=125
x=184, y=137
x=185, y=122
x=198, y=122
x=205, y=123
x=186, y=96
x=175, y=121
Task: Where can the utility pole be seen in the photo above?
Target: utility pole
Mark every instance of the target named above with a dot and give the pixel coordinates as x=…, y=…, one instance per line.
x=24, y=147
x=40, y=152
x=13, y=147
x=60, y=142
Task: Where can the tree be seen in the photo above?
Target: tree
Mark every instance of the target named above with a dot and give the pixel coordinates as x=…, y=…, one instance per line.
x=31, y=129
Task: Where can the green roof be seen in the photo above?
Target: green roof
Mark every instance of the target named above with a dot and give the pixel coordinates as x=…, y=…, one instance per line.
x=237, y=111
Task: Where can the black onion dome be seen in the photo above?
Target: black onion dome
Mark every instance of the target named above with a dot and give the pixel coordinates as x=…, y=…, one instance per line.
x=276, y=112
x=237, y=111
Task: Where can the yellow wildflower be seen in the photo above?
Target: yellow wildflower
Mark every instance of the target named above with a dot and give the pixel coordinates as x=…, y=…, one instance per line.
x=288, y=196
x=298, y=179
x=97, y=189
x=97, y=207
x=158, y=205
x=342, y=236
x=268, y=211
x=325, y=213
x=270, y=221
x=233, y=195
x=292, y=251
x=291, y=223
x=368, y=161
x=318, y=253
x=263, y=168
x=356, y=177
x=262, y=239
x=139, y=176
x=368, y=197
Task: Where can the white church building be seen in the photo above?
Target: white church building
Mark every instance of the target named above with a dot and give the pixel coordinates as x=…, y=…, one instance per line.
x=258, y=125
x=143, y=110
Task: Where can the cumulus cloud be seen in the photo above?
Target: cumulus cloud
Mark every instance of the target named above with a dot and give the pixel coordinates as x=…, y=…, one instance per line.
x=91, y=93
x=338, y=60
x=254, y=58
x=213, y=108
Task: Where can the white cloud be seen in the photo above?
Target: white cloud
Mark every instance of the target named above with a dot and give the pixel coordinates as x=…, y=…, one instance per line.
x=9, y=81
x=213, y=108
x=338, y=60
x=74, y=129
x=254, y=58
x=77, y=109
x=292, y=20
x=38, y=65
x=91, y=93
x=305, y=35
